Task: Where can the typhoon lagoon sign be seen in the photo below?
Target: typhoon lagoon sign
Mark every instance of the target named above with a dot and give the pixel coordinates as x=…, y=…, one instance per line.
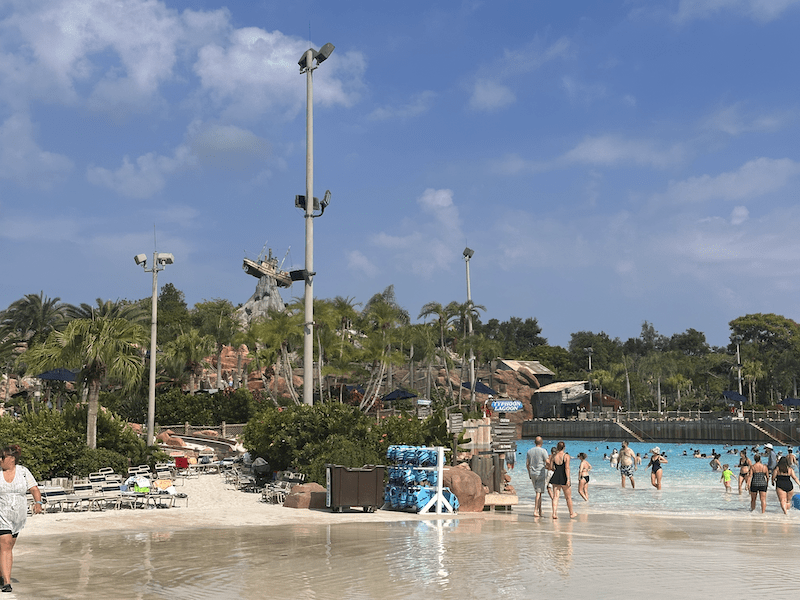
x=506, y=406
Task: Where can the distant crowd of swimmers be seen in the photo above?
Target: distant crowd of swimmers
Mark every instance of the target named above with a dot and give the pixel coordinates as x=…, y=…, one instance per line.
x=551, y=472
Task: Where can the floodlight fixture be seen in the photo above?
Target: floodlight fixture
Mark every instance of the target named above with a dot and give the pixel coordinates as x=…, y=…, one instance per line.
x=468, y=252
x=301, y=275
x=300, y=202
x=141, y=259
x=314, y=55
x=165, y=258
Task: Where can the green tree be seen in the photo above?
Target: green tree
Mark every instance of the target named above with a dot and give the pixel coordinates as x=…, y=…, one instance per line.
x=101, y=348
x=216, y=318
x=32, y=318
x=121, y=309
x=190, y=350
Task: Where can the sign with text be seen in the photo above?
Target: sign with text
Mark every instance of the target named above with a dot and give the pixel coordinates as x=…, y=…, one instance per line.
x=506, y=406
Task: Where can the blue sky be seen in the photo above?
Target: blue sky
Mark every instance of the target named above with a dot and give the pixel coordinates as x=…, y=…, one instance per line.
x=609, y=162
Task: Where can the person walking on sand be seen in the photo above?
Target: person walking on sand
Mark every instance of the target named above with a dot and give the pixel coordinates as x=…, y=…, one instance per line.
x=14, y=485
x=656, y=460
x=583, y=476
x=627, y=464
x=536, y=463
x=782, y=480
x=757, y=484
x=559, y=465
x=744, y=470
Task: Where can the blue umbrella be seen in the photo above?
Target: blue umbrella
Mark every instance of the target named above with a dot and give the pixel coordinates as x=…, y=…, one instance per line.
x=480, y=388
x=59, y=374
x=790, y=402
x=399, y=394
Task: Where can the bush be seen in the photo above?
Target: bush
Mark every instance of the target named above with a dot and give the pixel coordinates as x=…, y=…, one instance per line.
x=308, y=437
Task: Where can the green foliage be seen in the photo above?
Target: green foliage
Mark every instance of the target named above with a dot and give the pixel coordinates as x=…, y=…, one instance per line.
x=53, y=446
x=174, y=407
x=308, y=437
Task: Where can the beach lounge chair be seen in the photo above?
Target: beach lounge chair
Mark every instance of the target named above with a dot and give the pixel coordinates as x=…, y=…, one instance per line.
x=276, y=492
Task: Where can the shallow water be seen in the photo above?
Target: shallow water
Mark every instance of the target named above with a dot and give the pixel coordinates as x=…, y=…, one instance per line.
x=504, y=556
x=689, y=486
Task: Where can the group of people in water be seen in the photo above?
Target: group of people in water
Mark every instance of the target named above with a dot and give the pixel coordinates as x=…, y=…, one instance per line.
x=550, y=473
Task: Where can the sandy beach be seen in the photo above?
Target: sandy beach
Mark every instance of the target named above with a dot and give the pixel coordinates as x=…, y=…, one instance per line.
x=228, y=544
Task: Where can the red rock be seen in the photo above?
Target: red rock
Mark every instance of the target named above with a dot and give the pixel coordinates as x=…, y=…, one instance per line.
x=467, y=487
x=208, y=433
x=175, y=442
x=164, y=436
x=306, y=495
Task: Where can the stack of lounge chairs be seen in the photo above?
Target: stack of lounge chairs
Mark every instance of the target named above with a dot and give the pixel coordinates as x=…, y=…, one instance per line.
x=276, y=491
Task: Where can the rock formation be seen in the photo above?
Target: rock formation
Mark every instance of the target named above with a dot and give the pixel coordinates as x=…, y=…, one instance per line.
x=265, y=298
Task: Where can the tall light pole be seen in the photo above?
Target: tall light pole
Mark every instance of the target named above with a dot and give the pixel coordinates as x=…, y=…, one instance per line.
x=589, y=351
x=468, y=252
x=307, y=66
x=159, y=260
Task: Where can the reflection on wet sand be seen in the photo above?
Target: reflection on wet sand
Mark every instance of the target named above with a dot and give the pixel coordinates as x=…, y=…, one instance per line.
x=510, y=556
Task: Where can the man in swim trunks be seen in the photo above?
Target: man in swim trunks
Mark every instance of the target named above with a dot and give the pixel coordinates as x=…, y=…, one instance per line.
x=536, y=462
x=627, y=464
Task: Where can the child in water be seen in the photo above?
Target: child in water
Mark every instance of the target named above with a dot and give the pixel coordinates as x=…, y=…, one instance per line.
x=727, y=474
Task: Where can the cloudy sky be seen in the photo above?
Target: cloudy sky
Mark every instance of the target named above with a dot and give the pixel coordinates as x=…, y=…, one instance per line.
x=609, y=162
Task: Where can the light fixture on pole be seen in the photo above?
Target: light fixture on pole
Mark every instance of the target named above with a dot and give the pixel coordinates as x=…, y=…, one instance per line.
x=468, y=252
x=307, y=66
x=160, y=259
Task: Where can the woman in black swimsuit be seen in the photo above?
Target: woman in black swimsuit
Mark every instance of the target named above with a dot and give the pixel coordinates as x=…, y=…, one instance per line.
x=782, y=480
x=656, y=461
x=559, y=465
x=744, y=470
x=758, y=483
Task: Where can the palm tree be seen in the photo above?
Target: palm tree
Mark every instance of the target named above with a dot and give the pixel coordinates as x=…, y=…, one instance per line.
x=282, y=330
x=380, y=319
x=31, y=319
x=102, y=349
x=444, y=316
x=131, y=311
x=216, y=319
x=190, y=350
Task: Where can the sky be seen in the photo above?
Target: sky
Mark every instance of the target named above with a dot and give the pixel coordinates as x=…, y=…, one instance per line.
x=609, y=163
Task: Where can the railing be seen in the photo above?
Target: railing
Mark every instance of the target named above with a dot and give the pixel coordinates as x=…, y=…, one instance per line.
x=752, y=415
x=225, y=430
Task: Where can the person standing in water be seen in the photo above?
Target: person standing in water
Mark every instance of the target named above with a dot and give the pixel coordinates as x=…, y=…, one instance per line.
x=759, y=475
x=782, y=480
x=627, y=464
x=656, y=460
x=744, y=470
x=559, y=465
x=536, y=462
x=583, y=476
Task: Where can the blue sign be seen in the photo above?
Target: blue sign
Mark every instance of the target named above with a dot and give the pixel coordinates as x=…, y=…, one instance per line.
x=506, y=406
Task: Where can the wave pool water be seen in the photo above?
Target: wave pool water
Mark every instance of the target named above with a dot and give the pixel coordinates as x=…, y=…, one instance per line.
x=689, y=486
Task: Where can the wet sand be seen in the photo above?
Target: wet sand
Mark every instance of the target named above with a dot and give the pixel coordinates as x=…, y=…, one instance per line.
x=229, y=545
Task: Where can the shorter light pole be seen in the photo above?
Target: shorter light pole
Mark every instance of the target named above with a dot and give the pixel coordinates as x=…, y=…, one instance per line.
x=589, y=351
x=159, y=260
x=468, y=253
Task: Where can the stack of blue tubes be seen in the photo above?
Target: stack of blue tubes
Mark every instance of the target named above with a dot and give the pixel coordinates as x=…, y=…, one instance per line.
x=412, y=482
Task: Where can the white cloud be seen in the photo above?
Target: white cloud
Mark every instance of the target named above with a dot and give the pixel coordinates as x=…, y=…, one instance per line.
x=433, y=240
x=582, y=93
x=490, y=95
x=733, y=121
x=216, y=145
x=489, y=91
x=257, y=70
x=226, y=146
x=358, y=262
x=418, y=104
x=739, y=215
x=617, y=151
x=753, y=179
x=23, y=161
x=143, y=177
x=122, y=49
x=758, y=10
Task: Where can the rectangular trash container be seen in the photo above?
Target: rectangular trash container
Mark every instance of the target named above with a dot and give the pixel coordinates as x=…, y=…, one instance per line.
x=348, y=486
